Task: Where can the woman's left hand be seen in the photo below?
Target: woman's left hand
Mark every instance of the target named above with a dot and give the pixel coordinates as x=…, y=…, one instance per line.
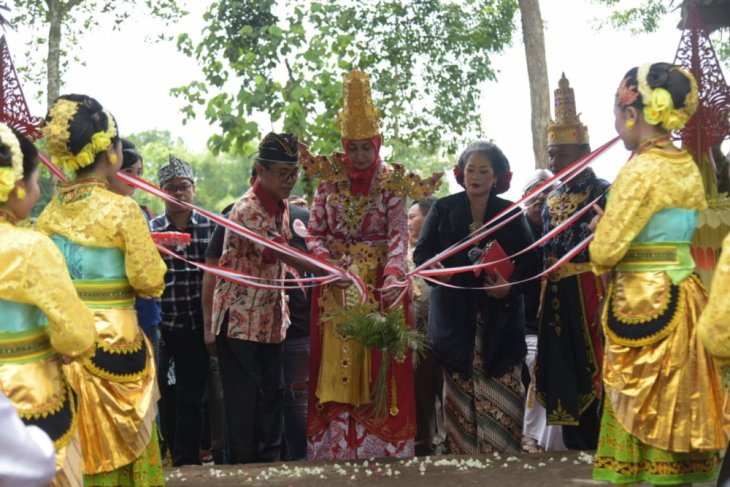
x=390, y=295
x=500, y=292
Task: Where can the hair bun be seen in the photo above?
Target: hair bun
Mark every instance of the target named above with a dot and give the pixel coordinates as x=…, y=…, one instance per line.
x=658, y=75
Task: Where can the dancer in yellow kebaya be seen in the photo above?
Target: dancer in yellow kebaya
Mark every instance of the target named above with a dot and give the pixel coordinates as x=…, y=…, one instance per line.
x=42, y=315
x=111, y=258
x=662, y=420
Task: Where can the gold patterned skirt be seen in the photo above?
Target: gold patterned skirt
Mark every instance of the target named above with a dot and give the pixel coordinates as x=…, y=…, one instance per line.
x=32, y=379
x=663, y=387
x=117, y=392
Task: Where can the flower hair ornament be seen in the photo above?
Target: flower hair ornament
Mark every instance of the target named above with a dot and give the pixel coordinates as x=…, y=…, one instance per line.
x=9, y=175
x=57, y=136
x=658, y=104
x=459, y=175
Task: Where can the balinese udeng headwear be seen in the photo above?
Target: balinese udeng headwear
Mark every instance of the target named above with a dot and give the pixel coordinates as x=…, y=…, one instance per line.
x=567, y=127
x=58, y=136
x=9, y=175
x=177, y=168
x=658, y=103
x=278, y=148
x=540, y=175
x=358, y=119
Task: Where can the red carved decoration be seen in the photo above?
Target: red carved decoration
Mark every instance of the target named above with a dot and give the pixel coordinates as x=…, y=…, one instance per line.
x=710, y=125
x=13, y=109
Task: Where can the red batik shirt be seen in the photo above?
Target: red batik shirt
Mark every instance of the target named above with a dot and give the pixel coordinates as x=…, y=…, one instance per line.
x=257, y=315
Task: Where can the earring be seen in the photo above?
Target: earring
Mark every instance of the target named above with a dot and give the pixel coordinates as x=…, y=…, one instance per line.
x=112, y=158
x=631, y=123
x=20, y=192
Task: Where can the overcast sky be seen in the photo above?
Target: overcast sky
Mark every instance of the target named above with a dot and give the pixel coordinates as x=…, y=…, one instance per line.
x=133, y=78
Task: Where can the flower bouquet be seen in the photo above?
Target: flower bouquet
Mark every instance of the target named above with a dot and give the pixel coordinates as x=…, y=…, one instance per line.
x=172, y=240
x=385, y=331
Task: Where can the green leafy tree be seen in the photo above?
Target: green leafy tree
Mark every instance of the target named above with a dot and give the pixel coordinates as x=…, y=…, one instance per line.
x=220, y=179
x=279, y=64
x=646, y=17
x=66, y=21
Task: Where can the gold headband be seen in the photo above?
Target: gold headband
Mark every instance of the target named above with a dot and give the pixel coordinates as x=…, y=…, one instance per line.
x=9, y=176
x=658, y=103
x=57, y=136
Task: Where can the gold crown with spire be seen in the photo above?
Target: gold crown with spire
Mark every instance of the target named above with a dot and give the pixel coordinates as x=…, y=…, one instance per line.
x=567, y=127
x=358, y=119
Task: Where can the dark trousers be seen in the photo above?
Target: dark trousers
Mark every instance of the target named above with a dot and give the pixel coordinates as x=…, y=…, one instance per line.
x=429, y=392
x=252, y=394
x=295, y=369
x=188, y=351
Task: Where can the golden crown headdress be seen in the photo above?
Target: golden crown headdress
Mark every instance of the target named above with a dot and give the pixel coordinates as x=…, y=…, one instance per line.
x=567, y=127
x=358, y=119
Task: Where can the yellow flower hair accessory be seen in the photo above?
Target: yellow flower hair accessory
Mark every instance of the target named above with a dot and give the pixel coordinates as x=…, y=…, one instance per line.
x=57, y=136
x=658, y=104
x=10, y=175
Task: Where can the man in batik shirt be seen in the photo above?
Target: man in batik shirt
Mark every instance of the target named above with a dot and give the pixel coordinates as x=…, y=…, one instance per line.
x=250, y=322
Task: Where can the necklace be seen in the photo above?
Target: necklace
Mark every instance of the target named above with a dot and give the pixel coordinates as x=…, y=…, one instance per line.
x=7, y=216
x=661, y=141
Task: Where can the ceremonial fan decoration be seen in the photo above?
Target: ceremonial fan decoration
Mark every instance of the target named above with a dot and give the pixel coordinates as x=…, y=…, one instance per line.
x=707, y=128
x=172, y=240
x=14, y=110
x=332, y=168
x=381, y=330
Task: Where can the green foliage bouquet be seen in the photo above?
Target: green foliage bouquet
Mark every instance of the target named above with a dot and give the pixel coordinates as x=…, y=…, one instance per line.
x=385, y=331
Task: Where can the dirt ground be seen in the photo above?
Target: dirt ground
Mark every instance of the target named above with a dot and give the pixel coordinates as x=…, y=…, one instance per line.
x=541, y=469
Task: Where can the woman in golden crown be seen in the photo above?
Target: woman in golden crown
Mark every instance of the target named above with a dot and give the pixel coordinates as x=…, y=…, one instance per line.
x=663, y=419
x=358, y=220
x=43, y=318
x=111, y=258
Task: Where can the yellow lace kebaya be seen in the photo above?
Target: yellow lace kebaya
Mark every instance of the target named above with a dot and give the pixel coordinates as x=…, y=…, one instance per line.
x=87, y=213
x=663, y=387
x=111, y=257
x=650, y=182
x=42, y=318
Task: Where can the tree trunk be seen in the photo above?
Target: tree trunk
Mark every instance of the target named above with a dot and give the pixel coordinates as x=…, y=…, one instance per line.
x=532, y=34
x=55, y=20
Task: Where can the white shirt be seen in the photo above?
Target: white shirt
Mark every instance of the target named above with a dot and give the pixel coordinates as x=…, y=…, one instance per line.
x=27, y=454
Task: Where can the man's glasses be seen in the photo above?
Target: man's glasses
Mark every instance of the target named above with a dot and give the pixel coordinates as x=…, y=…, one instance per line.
x=174, y=188
x=284, y=175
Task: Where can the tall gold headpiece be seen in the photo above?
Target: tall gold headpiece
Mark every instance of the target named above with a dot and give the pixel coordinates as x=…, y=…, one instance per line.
x=567, y=127
x=359, y=119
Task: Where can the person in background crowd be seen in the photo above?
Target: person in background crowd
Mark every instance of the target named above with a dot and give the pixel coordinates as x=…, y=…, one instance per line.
x=111, y=258
x=642, y=250
x=479, y=335
x=44, y=321
x=182, y=317
x=148, y=310
x=569, y=348
x=536, y=434
x=295, y=348
x=428, y=379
